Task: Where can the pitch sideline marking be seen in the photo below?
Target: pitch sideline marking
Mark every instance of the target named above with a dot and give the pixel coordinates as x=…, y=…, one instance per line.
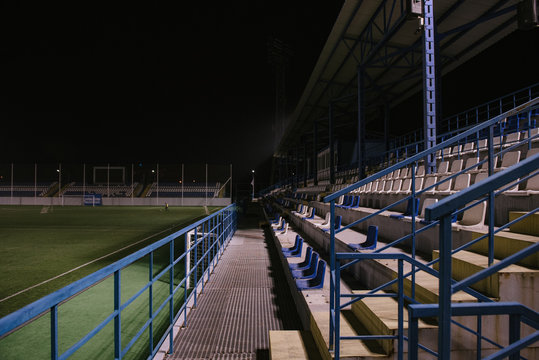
x=81, y=266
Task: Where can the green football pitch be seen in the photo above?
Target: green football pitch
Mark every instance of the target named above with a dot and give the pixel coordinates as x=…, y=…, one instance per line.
x=45, y=248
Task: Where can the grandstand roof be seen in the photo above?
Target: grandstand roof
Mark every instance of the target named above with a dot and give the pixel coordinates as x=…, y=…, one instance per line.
x=384, y=36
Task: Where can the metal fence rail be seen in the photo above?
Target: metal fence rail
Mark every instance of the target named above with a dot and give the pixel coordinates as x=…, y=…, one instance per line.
x=204, y=241
x=498, y=182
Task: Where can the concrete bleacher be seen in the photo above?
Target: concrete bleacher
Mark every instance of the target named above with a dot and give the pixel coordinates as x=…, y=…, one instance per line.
x=26, y=189
x=195, y=190
x=112, y=190
x=458, y=168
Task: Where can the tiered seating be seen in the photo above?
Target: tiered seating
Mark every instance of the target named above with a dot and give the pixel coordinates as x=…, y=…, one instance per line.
x=194, y=190
x=26, y=189
x=458, y=168
x=112, y=190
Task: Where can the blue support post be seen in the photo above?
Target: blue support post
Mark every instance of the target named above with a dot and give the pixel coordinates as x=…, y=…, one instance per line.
x=332, y=273
x=117, y=318
x=54, y=332
x=444, y=308
x=514, y=333
x=429, y=83
x=490, y=197
x=150, y=303
x=171, y=293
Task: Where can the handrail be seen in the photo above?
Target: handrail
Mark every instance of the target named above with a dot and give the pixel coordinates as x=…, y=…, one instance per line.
x=433, y=149
x=220, y=226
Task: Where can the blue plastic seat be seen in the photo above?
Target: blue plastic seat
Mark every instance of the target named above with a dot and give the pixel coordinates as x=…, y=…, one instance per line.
x=408, y=211
x=305, y=263
x=310, y=271
x=294, y=251
x=317, y=282
x=355, y=203
x=370, y=242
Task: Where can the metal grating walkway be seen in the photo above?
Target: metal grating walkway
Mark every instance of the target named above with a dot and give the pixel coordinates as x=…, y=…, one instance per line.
x=245, y=298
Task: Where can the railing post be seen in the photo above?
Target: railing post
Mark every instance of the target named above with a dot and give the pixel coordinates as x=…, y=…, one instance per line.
x=401, y=311
x=171, y=292
x=150, y=302
x=490, y=196
x=413, y=336
x=332, y=272
x=54, y=332
x=514, y=333
x=117, y=318
x=337, y=310
x=444, y=308
x=413, y=230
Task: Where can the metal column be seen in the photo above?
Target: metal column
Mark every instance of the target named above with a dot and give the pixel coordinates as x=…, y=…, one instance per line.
x=315, y=154
x=360, y=124
x=429, y=83
x=331, y=146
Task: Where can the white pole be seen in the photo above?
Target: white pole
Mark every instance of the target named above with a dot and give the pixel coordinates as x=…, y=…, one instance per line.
x=83, y=182
x=157, y=199
x=230, y=182
x=11, y=199
x=206, y=192
x=182, y=183
x=253, y=183
x=108, y=180
x=60, y=181
x=35, y=183
x=132, y=182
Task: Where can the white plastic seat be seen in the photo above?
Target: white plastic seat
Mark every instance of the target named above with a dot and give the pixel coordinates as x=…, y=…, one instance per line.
x=468, y=148
x=471, y=161
x=462, y=181
x=509, y=159
x=430, y=181
x=426, y=203
x=511, y=139
x=396, y=186
x=474, y=216
x=456, y=166
x=406, y=186
x=444, y=187
x=442, y=168
x=534, y=134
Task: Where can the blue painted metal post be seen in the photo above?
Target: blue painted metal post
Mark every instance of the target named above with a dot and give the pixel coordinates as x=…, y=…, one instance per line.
x=337, y=309
x=117, y=318
x=195, y=266
x=413, y=229
x=186, y=275
x=171, y=293
x=54, y=332
x=514, y=333
x=332, y=273
x=150, y=302
x=413, y=336
x=429, y=83
x=491, y=196
x=400, y=349
x=444, y=308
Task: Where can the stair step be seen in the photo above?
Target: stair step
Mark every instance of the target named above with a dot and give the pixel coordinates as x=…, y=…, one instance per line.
x=292, y=345
x=349, y=348
x=426, y=285
x=507, y=243
x=466, y=263
x=379, y=315
x=528, y=226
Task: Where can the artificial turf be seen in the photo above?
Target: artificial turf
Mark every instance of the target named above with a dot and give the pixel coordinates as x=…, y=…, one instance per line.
x=37, y=245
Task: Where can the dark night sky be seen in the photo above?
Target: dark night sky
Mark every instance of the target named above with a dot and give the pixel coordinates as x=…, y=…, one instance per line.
x=188, y=82
x=183, y=83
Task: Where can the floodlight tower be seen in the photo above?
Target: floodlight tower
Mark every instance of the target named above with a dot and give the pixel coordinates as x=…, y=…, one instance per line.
x=253, y=185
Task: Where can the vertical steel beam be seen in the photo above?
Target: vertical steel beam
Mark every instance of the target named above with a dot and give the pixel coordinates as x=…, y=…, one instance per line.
x=444, y=307
x=315, y=152
x=331, y=146
x=360, y=124
x=430, y=99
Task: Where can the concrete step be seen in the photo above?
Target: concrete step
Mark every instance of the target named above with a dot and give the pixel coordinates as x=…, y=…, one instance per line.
x=507, y=243
x=514, y=283
x=292, y=345
x=528, y=226
x=379, y=315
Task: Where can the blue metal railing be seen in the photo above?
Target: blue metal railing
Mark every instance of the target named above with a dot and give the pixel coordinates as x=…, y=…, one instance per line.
x=412, y=162
x=209, y=235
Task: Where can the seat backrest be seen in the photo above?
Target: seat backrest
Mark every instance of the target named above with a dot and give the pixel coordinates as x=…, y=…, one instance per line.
x=320, y=274
x=406, y=185
x=396, y=185
x=469, y=146
x=388, y=185
x=426, y=203
x=513, y=137
x=420, y=170
x=474, y=215
x=456, y=166
x=462, y=181
x=532, y=152
x=471, y=161
x=419, y=184
x=444, y=186
x=510, y=158
x=479, y=177
x=308, y=255
x=431, y=180
x=443, y=167
x=312, y=265
x=533, y=183
x=372, y=236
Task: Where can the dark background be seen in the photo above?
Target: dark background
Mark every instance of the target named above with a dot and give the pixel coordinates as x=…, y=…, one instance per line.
x=183, y=83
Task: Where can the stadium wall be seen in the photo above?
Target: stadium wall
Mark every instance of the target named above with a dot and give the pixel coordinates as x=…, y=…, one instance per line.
x=78, y=201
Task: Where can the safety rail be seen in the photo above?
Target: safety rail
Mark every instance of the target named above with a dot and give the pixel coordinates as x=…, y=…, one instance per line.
x=442, y=211
x=413, y=162
x=209, y=236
